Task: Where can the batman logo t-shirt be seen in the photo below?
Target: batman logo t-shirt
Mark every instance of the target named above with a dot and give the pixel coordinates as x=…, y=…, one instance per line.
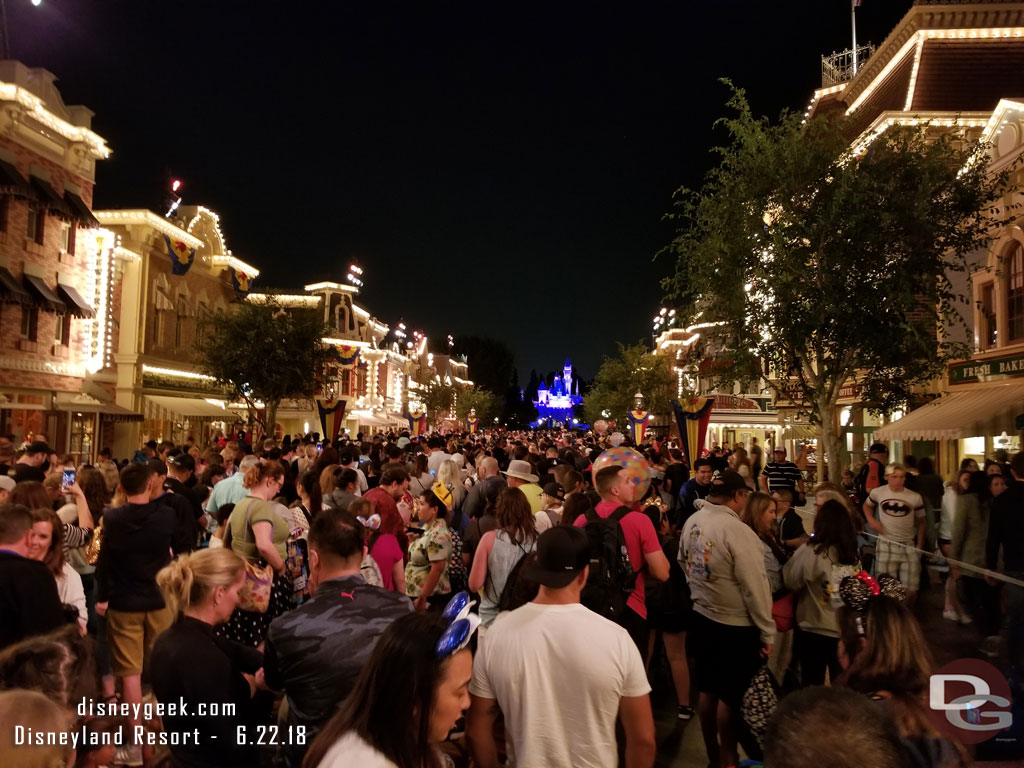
x=898, y=512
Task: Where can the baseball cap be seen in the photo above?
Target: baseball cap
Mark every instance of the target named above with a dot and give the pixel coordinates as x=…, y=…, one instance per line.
x=183, y=461
x=727, y=483
x=554, y=490
x=37, y=446
x=7, y=483
x=562, y=553
x=878, y=448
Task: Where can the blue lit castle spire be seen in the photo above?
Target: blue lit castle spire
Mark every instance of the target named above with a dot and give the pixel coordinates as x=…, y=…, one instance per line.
x=555, y=405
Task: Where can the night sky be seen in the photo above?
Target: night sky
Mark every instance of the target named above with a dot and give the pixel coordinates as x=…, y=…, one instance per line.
x=497, y=169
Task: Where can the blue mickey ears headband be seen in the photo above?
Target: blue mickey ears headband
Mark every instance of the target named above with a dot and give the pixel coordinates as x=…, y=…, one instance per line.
x=461, y=625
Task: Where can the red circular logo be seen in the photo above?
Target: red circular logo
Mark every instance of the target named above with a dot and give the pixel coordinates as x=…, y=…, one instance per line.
x=969, y=701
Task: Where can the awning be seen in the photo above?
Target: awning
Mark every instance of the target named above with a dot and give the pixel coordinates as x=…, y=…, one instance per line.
x=975, y=412
x=49, y=198
x=11, y=291
x=42, y=296
x=86, y=404
x=12, y=182
x=800, y=432
x=370, y=419
x=78, y=306
x=741, y=419
x=187, y=407
x=80, y=210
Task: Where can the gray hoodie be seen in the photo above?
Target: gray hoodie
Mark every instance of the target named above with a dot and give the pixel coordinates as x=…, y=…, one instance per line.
x=724, y=563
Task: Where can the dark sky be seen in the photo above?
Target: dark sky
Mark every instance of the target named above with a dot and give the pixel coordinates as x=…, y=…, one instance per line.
x=498, y=169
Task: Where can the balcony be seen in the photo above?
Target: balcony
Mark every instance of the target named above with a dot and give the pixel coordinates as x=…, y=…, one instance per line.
x=841, y=67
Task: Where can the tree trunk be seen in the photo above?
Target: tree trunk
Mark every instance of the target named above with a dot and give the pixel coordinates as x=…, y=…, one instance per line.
x=270, y=418
x=829, y=442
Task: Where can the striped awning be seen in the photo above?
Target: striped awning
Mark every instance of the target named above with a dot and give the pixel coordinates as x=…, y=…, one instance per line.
x=974, y=412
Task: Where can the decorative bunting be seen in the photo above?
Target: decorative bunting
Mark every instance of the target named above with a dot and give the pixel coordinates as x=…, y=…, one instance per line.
x=240, y=282
x=638, y=425
x=332, y=414
x=417, y=423
x=344, y=354
x=181, y=255
x=472, y=424
x=692, y=417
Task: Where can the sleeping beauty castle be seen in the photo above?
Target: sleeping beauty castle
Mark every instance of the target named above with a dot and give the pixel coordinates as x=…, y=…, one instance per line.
x=555, y=405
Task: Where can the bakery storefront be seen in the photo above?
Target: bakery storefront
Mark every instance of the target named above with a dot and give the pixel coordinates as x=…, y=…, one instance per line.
x=981, y=412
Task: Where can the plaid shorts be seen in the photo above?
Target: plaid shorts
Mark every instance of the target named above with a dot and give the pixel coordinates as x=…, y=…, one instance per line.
x=899, y=559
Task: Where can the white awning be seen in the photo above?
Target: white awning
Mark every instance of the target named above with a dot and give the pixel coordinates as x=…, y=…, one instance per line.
x=743, y=420
x=973, y=412
x=369, y=419
x=186, y=407
x=85, y=404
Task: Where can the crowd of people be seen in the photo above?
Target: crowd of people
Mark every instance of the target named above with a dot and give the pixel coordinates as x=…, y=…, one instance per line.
x=483, y=599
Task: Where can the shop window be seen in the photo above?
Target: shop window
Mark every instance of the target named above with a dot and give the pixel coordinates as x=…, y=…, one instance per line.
x=179, y=321
x=67, y=236
x=29, y=322
x=158, y=328
x=36, y=222
x=62, y=329
x=987, y=328
x=1014, y=268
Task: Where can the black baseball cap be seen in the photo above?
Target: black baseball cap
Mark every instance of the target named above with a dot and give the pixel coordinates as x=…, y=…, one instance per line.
x=727, y=483
x=562, y=554
x=555, y=490
x=183, y=461
x=878, y=448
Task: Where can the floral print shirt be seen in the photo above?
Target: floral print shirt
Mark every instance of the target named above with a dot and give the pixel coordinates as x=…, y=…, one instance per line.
x=433, y=545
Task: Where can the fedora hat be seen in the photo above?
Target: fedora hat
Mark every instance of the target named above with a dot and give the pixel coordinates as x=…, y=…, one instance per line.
x=521, y=469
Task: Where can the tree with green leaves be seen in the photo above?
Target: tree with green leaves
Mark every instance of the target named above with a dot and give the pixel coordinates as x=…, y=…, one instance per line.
x=264, y=352
x=437, y=396
x=486, y=404
x=619, y=378
x=817, y=267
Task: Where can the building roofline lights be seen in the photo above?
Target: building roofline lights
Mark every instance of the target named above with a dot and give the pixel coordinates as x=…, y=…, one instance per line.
x=286, y=299
x=226, y=260
x=147, y=218
x=37, y=109
x=917, y=39
x=329, y=286
x=173, y=373
x=345, y=342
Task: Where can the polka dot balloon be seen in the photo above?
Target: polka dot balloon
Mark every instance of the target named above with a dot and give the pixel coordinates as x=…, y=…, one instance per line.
x=637, y=471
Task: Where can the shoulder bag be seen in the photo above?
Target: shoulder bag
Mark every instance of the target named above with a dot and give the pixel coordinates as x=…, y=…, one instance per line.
x=254, y=596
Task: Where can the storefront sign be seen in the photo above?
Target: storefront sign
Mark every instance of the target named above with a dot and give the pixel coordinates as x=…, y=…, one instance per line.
x=979, y=370
x=734, y=403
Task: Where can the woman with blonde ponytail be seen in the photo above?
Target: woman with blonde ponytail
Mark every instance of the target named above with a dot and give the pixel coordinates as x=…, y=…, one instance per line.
x=191, y=664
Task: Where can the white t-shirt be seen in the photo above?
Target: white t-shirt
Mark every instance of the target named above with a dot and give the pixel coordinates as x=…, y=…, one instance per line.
x=898, y=511
x=435, y=460
x=558, y=673
x=350, y=751
x=71, y=592
x=542, y=520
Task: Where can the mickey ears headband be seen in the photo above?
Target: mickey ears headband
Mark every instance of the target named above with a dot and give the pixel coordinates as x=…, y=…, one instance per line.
x=858, y=591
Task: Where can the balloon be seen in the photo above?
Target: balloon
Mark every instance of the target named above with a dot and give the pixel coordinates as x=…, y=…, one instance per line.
x=637, y=471
x=616, y=439
x=600, y=426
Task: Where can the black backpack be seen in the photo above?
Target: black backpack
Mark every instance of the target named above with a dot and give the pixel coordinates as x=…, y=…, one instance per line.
x=860, y=483
x=519, y=589
x=611, y=578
